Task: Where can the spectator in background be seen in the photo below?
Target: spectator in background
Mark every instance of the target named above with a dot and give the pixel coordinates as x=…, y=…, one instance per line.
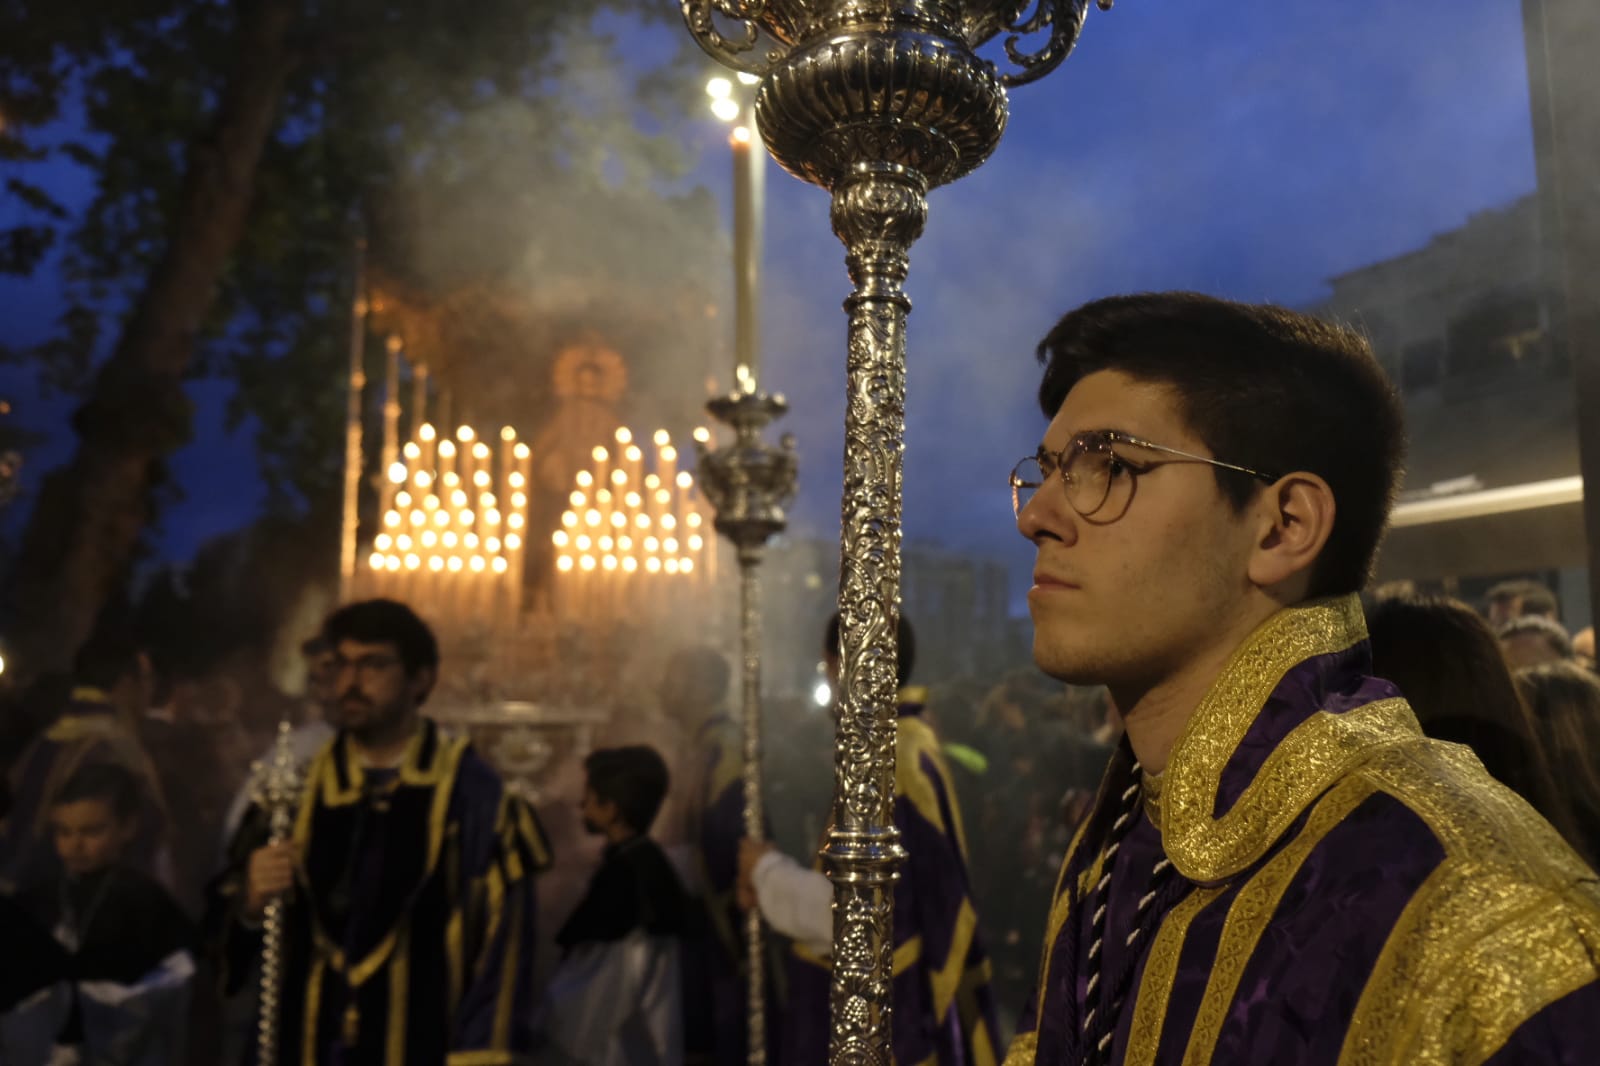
x=1583, y=647
x=1565, y=703
x=319, y=716
x=195, y=781
x=1448, y=666
x=1534, y=640
x=99, y=724
x=1519, y=599
x=1046, y=761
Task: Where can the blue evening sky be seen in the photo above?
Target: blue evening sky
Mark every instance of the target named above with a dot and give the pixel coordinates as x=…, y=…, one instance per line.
x=1250, y=150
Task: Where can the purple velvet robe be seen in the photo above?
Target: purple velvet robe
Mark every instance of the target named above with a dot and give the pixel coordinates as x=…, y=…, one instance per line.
x=943, y=1008
x=1348, y=891
x=411, y=929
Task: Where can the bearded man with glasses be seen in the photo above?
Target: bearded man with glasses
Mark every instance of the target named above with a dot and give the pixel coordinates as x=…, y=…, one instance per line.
x=1279, y=867
x=408, y=878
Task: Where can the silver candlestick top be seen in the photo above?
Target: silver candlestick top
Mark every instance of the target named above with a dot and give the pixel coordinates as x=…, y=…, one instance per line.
x=749, y=482
x=883, y=81
x=278, y=779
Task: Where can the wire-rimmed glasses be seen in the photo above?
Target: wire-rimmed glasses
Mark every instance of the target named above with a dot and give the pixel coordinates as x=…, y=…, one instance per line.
x=1096, y=476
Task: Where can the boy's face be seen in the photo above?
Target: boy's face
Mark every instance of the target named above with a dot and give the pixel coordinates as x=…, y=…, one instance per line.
x=88, y=834
x=598, y=815
x=1125, y=598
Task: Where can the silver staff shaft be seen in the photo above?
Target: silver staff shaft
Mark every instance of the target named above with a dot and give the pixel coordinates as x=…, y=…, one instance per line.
x=277, y=792
x=750, y=482
x=754, y=816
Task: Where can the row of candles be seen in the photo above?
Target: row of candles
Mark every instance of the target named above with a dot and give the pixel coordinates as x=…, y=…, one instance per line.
x=629, y=519
x=454, y=526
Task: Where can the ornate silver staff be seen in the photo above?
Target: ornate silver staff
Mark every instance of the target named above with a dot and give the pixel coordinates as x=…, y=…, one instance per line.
x=876, y=101
x=749, y=482
x=278, y=785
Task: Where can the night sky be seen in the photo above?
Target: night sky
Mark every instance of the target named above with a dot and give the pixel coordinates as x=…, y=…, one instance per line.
x=1249, y=150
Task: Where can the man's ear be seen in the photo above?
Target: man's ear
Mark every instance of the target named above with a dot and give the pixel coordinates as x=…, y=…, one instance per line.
x=1294, y=518
x=422, y=684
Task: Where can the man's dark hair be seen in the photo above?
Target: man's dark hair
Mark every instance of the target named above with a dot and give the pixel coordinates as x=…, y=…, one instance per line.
x=905, y=646
x=634, y=778
x=385, y=622
x=110, y=654
x=1536, y=597
x=112, y=783
x=1538, y=625
x=1264, y=388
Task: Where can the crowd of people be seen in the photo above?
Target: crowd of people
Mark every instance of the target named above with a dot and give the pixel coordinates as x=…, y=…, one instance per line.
x=1245, y=812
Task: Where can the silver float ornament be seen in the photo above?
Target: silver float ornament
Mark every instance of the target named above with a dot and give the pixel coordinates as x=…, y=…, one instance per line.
x=876, y=101
x=278, y=784
x=749, y=483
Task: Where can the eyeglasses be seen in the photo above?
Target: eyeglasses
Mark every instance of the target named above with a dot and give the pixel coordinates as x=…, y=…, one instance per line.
x=1097, y=478
x=367, y=666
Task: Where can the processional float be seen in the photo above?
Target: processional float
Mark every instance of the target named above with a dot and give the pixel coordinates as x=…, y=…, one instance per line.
x=876, y=101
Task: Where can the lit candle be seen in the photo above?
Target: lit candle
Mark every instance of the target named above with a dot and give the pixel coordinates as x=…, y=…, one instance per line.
x=516, y=550
x=446, y=468
x=748, y=193
x=666, y=459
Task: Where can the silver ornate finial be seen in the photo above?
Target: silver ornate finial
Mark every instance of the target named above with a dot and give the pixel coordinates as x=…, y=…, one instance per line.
x=749, y=483
x=876, y=101
x=278, y=784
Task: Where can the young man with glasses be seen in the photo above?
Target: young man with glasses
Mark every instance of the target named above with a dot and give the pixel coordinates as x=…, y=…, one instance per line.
x=1279, y=867
x=408, y=878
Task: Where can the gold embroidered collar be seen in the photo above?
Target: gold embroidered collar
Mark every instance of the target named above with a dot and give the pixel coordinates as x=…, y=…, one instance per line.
x=1182, y=800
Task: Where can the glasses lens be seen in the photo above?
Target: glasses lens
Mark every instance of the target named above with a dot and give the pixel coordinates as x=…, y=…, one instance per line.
x=1026, y=478
x=1088, y=470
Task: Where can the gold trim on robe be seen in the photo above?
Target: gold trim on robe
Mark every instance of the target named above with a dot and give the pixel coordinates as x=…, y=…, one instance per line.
x=1443, y=990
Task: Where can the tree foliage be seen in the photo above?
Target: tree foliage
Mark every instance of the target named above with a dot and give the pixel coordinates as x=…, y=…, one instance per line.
x=480, y=149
